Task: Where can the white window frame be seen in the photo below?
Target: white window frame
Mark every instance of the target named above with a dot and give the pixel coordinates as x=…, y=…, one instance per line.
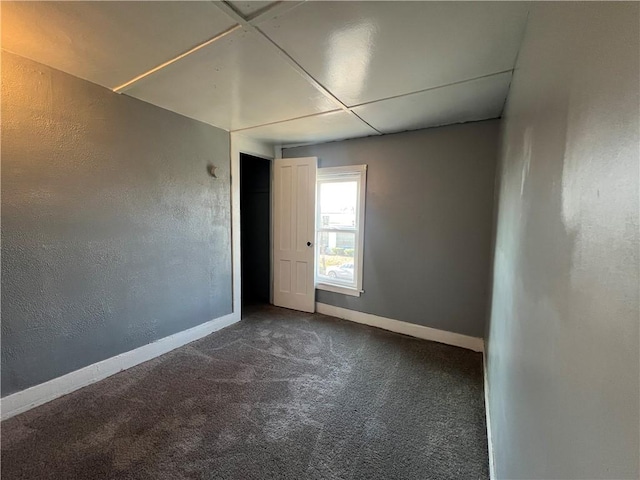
x=331, y=175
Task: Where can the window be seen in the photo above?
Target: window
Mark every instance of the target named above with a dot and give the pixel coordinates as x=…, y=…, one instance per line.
x=340, y=228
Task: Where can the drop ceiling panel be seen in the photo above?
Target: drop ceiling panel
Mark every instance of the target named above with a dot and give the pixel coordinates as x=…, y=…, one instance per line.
x=236, y=82
x=107, y=43
x=479, y=99
x=325, y=127
x=249, y=8
x=365, y=51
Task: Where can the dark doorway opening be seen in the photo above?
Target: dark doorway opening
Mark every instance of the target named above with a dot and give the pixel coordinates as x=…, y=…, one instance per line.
x=255, y=224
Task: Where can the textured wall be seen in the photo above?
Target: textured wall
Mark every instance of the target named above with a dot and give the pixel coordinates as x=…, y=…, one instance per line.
x=563, y=338
x=113, y=233
x=428, y=223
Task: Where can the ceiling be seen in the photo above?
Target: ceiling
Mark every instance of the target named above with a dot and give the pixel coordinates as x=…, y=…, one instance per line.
x=285, y=72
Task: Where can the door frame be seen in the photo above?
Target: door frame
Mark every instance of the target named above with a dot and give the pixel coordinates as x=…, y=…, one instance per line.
x=241, y=144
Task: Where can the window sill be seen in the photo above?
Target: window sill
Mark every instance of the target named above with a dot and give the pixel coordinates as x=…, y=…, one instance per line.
x=354, y=292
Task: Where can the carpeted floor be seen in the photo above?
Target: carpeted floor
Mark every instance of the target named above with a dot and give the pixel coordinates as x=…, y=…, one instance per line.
x=280, y=395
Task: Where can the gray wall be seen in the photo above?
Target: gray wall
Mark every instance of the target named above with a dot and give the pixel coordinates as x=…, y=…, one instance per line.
x=113, y=233
x=428, y=223
x=563, y=339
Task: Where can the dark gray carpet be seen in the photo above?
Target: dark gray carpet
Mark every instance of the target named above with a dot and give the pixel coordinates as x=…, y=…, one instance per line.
x=281, y=395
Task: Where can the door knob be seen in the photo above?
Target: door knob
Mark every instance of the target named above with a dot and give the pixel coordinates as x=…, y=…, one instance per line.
x=308, y=244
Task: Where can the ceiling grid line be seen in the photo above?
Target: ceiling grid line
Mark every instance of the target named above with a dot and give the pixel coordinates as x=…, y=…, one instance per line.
x=124, y=86
x=302, y=117
x=241, y=21
x=270, y=11
x=352, y=107
x=287, y=71
x=248, y=24
x=408, y=94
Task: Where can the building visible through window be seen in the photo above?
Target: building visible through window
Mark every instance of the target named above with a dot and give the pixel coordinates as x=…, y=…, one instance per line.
x=340, y=222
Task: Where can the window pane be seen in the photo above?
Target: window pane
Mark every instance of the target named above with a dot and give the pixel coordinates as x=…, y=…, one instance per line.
x=336, y=255
x=338, y=204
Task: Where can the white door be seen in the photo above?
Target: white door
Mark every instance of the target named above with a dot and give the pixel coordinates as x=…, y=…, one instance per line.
x=294, y=232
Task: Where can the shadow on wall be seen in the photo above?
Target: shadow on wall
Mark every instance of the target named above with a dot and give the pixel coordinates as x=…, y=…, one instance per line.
x=563, y=334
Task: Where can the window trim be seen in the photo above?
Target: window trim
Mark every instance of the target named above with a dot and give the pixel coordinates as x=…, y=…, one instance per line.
x=326, y=174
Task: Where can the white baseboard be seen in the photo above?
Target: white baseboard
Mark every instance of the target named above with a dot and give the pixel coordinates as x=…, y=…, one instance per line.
x=419, y=331
x=45, y=392
x=492, y=462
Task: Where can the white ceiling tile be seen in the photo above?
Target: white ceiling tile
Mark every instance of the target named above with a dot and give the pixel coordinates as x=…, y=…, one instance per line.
x=325, y=127
x=365, y=51
x=250, y=7
x=479, y=99
x=236, y=82
x=107, y=43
